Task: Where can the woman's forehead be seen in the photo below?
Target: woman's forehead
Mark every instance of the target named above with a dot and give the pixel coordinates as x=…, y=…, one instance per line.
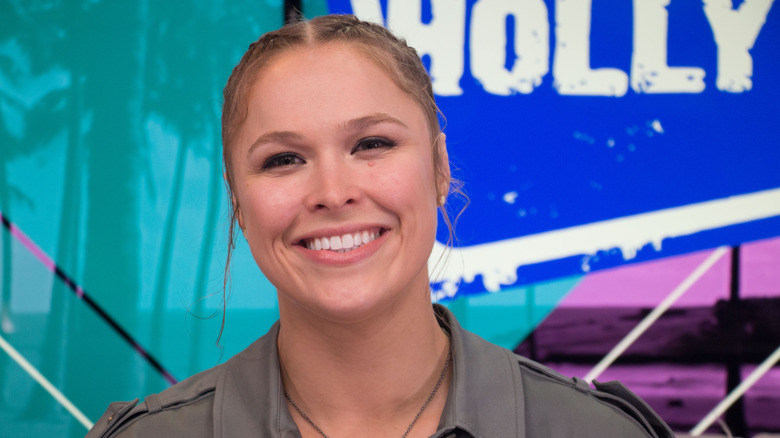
x=303, y=55
x=312, y=90
x=323, y=75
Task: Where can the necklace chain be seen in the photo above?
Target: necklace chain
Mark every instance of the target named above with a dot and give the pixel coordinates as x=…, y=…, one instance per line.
x=416, y=417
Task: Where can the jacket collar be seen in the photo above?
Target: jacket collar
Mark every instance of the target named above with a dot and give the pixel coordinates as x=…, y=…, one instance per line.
x=485, y=398
x=249, y=398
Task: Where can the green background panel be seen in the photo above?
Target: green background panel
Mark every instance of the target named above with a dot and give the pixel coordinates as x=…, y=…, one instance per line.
x=110, y=160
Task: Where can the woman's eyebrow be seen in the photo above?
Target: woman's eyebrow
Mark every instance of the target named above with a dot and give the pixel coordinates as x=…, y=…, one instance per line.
x=357, y=124
x=275, y=137
x=364, y=122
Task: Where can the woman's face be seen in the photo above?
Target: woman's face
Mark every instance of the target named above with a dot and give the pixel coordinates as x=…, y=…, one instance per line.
x=334, y=178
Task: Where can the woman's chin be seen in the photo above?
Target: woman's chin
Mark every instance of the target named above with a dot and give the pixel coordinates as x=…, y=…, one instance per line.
x=341, y=306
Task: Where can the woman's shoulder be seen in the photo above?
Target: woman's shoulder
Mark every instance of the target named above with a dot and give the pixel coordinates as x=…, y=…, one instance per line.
x=188, y=407
x=604, y=409
x=188, y=403
x=546, y=403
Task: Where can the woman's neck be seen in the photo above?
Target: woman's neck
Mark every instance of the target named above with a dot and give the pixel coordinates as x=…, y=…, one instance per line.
x=365, y=378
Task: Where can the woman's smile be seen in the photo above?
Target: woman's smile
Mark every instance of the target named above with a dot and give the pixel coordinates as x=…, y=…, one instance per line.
x=345, y=250
x=342, y=243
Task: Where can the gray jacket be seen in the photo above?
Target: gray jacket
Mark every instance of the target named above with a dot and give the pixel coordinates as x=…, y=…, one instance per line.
x=494, y=393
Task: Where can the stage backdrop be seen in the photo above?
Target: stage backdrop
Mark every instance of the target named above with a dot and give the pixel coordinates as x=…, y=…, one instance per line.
x=591, y=135
x=605, y=147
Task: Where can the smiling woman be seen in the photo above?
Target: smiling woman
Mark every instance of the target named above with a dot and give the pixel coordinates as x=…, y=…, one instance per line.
x=336, y=166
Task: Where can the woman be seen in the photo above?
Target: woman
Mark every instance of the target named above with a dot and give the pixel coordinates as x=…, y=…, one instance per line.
x=336, y=166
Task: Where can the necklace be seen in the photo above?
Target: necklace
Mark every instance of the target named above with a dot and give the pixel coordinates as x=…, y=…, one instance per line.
x=416, y=417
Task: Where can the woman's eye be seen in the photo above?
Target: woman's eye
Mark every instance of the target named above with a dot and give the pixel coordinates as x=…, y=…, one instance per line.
x=282, y=160
x=372, y=143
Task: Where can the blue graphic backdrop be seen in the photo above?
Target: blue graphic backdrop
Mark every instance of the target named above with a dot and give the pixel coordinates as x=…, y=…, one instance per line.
x=544, y=161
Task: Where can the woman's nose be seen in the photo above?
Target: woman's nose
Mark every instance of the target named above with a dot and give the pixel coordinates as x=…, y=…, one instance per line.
x=333, y=186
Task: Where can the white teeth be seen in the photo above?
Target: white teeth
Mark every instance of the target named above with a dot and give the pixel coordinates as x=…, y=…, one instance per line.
x=344, y=243
x=347, y=241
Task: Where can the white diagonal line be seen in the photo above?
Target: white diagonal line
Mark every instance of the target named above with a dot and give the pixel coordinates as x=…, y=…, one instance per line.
x=655, y=314
x=738, y=392
x=38, y=377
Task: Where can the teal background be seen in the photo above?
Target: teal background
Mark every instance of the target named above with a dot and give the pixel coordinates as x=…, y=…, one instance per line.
x=110, y=161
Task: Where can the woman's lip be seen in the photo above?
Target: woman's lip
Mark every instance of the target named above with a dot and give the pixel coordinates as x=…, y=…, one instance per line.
x=340, y=231
x=345, y=242
x=328, y=257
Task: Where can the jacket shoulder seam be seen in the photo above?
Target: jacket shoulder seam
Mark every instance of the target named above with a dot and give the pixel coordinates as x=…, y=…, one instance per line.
x=142, y=411
x=623, y=407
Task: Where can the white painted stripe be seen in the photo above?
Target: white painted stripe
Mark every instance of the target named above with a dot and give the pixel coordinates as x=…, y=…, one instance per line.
x=497, y=262
x=632, y=336
x=38, y=377
x=738, y=392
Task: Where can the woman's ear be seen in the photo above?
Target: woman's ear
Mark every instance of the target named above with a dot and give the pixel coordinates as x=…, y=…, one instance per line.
x=442, y=168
